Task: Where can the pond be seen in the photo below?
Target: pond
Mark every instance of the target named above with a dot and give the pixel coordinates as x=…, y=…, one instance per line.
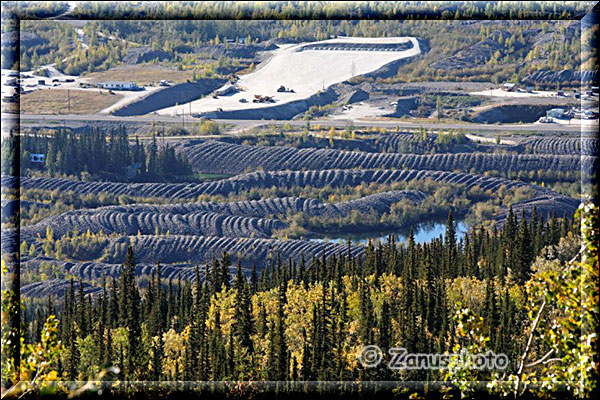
x=423, y=232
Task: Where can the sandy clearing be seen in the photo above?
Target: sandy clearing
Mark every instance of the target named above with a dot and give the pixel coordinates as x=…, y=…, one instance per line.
x=360, y=111
x=130, y=97
x=56, y=101
x=306, y=72
x=31, y=84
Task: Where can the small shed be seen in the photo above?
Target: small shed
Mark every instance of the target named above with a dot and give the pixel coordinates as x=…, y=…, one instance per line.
x=509, y=87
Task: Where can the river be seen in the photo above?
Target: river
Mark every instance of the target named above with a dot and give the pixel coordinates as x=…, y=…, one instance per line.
x=423, y=232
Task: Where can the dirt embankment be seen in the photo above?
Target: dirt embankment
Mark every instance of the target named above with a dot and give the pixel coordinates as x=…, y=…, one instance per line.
x=182, y=93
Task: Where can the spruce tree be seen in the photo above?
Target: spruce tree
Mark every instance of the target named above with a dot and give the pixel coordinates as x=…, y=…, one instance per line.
x=243, y=325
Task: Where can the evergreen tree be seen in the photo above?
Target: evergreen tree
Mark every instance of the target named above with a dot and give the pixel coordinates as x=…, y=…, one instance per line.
x=243, y=321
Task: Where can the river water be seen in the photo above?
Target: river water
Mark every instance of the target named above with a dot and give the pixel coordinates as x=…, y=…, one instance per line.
x=423, y=232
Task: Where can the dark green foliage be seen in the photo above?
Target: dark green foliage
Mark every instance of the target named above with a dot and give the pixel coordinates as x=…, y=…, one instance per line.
x=104, y=155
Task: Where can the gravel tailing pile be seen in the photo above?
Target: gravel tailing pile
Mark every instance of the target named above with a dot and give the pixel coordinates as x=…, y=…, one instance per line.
x=395, y=142
x=392, y=142
x=227, y=219
x=379, y=202
x=572, y=146
x=261, y=180
x=95, y=270
x=200, y=249
x=55, y=287
x=179, y=254
x=148, y=220
x=10, y=240
x=545, y=76
x=219, y=157
x=545, y=205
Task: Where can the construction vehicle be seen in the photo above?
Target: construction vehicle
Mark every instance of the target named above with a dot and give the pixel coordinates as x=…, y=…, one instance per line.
x=263, y=99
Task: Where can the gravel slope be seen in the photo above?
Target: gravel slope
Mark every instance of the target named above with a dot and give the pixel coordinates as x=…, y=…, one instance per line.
x=212, y=156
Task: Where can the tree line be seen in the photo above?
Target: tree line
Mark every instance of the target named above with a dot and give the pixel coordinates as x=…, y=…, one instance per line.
x=302, y=321
x=105, y=155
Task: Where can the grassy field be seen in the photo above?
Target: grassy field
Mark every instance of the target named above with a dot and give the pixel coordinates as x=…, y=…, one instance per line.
x=142, y=75
x=55, y=101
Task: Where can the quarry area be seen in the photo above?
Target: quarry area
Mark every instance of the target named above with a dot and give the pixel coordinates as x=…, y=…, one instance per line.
x=297, y=72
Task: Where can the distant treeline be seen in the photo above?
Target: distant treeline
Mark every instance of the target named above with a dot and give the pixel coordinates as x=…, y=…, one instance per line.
x=335, y=10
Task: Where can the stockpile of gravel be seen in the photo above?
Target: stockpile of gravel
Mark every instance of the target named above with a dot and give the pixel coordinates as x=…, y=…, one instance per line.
x=213, y=156
x=260, y=180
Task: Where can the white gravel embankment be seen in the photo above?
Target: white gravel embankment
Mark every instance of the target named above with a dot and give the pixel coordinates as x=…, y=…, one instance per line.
x=306, y=72
x=504, y=93
x=360, y=111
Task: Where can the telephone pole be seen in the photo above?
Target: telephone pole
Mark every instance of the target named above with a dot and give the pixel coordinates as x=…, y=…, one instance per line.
x=69, y=100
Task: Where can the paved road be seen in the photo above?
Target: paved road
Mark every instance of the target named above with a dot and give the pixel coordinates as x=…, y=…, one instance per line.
x=27, y=119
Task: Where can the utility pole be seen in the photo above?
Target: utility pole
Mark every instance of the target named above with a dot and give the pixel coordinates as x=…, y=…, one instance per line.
x=69, y=100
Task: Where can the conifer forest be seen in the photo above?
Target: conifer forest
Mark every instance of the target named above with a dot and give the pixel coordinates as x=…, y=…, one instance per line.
x=280, y=199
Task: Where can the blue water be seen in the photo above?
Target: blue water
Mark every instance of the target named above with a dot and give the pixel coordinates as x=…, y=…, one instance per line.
x=423, y=232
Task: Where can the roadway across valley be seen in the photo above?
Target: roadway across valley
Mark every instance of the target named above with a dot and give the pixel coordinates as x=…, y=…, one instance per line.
x=239, y=125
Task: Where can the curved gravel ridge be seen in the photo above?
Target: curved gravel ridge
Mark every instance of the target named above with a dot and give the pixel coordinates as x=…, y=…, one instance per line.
x=379, y=202
x=230, y=219
x=220, y=157
x=587, y=146
x=200, y=249
x=55, y=287
x=568, y=145
x=395, y=142
x=148, y=220
x=545, y=205
x=95, y=270
x=181, y=253
x=268, y=179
